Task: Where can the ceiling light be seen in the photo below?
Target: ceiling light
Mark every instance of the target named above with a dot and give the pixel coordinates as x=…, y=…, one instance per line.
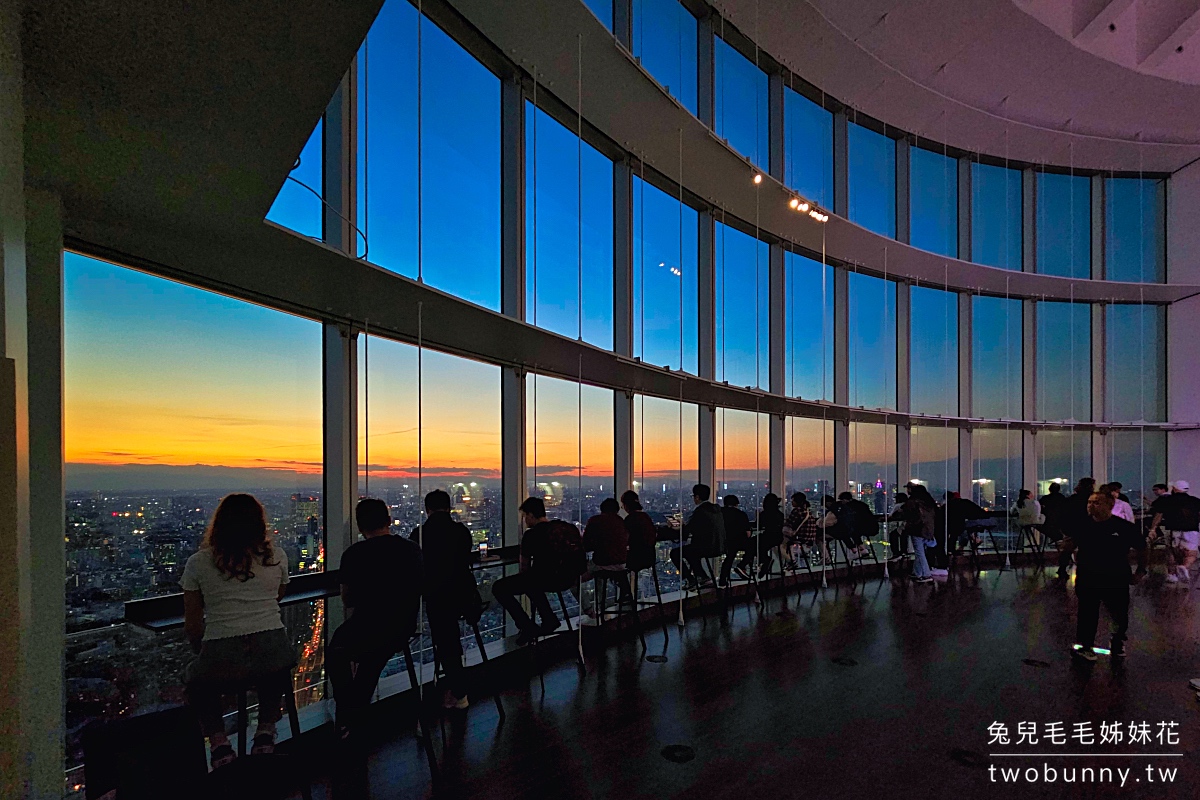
x=794, y=203
x=758, y=179
x=803, y=207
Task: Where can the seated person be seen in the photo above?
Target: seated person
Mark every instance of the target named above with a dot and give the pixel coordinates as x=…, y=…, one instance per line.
x=704, y=533
x=800, y=528
x=897, y=537
x=770, y=533
x=231, y=593
x=607, y=539
x=737, y=540
x=450, y=590
x=860, y=524
x=643, y=536
x=381, y=592
x=552, y=559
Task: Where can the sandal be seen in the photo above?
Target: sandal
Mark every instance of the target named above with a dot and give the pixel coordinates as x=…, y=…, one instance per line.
x=221, y=755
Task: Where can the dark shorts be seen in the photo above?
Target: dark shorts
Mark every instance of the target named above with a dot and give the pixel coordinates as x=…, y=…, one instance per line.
x=241, y=658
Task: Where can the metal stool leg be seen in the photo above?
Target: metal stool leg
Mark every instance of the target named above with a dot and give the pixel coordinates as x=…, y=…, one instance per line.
x=562, y=604
x=662, y=610
x=289, y=703
x=484, y=658
x=243, y=721
x=425, y=738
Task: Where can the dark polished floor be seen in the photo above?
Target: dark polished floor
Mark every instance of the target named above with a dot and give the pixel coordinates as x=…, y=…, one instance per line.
x=882, y=689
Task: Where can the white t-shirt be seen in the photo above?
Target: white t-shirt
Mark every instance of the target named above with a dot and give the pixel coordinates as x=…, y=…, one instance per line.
x=233, y=607
x=1123, y=510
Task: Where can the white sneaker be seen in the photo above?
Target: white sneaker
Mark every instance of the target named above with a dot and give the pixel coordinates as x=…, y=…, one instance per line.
x=939, y=572
x=1195, y=684
x=1172, y=578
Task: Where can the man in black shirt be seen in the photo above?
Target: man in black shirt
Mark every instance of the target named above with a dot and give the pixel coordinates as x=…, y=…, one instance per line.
x=552, y=558
x=381, y=592
x=450, y=590
x=1180, y=515
x=737, y=539
x=705, y=532
x=1102, y=575
x=1074, y=517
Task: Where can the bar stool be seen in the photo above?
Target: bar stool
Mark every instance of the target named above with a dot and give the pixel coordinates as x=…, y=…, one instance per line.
x=422, y=723
x=437, y=664
x=635, y=572
x=627, y=575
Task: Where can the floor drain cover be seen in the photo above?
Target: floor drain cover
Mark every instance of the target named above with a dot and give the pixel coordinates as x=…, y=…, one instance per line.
x=657, y=659
x=678, y=753
x=1035, y=662
x=968, y=758
x=845, y=662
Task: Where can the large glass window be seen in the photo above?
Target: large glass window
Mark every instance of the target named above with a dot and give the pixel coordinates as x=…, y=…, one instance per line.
x=872, y=466
x=603, y=9
x=935, y=458
x=872, y=342
x=809, y=320
x=1064, y=361
x=933, y=202
x=1135, y=377
x=740, y=103
x=1063, y=457
x=418, y=431
x=742, y=304
x=174, y=397
x=996, y=216
x=420, y=144
x=996, y=354
x=665, y=286
x=1137, y=459
x=298, y=205
x=568, y=446
x=1135, y=227
x=872, y=167
x=933, y=366
x=999, y=465
x=1064, y=225
x=808, y=148
x=664, y=39
x=666, y=464
x=808, y=455
x=568, y=232
x=743, y=461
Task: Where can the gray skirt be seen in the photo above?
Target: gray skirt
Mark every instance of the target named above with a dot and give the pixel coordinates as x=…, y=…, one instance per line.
x=237, y=659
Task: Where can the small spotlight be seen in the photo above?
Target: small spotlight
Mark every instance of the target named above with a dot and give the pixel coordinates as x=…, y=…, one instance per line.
x=803, y=208
x=758, y=179
x=794, y=203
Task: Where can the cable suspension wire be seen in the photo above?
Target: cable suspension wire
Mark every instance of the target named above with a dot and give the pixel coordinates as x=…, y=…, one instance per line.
x=367, y=407
x=420, y=149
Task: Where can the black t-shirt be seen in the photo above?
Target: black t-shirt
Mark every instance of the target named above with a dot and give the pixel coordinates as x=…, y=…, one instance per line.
x=383, y=579
x=446, y=551
x=1183, y=513
x=1104, y=552
x=1161, y=505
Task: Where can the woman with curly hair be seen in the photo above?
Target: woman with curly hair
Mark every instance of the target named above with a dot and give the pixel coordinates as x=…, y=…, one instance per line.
x=231, y=593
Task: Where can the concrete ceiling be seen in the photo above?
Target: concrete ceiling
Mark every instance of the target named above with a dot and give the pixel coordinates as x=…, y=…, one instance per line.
x=181, y=115
x=986, y=76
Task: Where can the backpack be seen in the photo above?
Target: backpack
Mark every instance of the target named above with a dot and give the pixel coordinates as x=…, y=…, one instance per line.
x=565, y=559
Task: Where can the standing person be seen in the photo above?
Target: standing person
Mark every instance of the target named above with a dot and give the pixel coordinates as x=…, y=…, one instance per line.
x=704, y=535
x=1159, y=509
x=1182, y=519
x=607, y=539
x=231, y=592
x=1028, y=513
x=382, y=580
x=960, y=511
x=919, y=517
x=643, y=536
x=1053, y=510
x=737, y=540
x=552, y=558
x=1102, y=574
x=1074, y=517
x=451, y=593
x=770, y=533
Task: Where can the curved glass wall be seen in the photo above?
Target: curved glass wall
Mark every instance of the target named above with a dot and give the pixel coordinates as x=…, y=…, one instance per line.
x=664, y=40
x=933, y=352
x=872, y=467
x=298, y=204
x=742, y=313
x=808, y=317
x=996, y=216
x=1064, y=225
x=808, y=456
x=808, y=148
x=997, y=376
x=1064, y=361
x=872, y=178
x=1063, y=457
x=998, y=468
x=872, y=341
x=933, y=202
x=935, y=458
x=1135, y=242
x=665, y=286
x=429, y=124
x=740, y=103
x=1135, y=370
